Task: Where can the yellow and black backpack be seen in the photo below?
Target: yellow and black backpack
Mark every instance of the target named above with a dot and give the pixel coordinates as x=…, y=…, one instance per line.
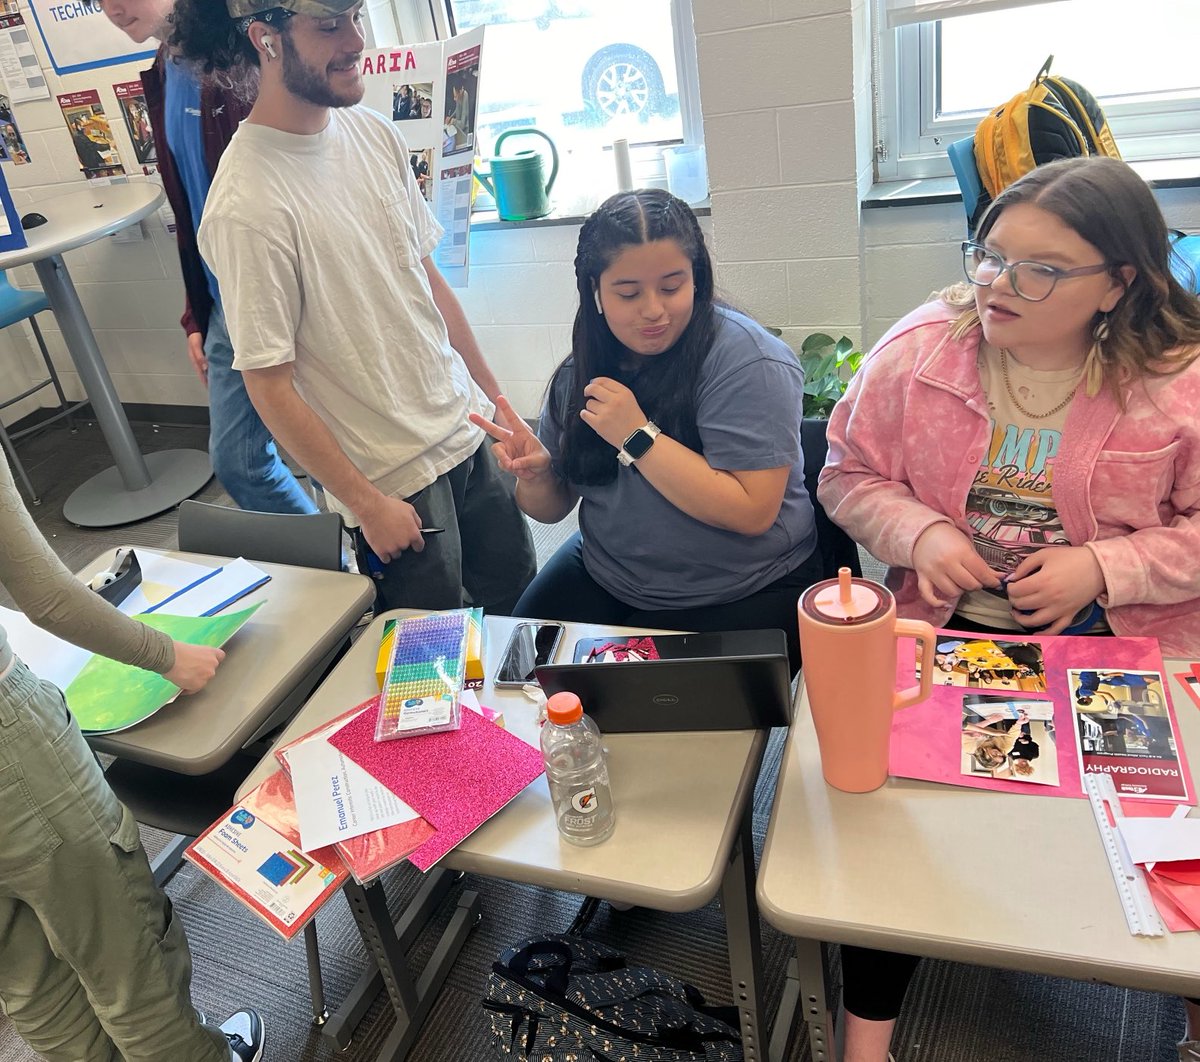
x=1055, y=118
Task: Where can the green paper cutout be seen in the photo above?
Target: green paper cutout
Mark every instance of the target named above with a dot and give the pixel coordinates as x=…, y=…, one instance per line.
x=107, y=696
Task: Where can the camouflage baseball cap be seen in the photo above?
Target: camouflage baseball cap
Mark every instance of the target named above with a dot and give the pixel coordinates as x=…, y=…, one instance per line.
x=313, y=8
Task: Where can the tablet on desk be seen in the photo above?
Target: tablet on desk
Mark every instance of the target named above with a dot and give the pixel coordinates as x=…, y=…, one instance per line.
x=719, y=680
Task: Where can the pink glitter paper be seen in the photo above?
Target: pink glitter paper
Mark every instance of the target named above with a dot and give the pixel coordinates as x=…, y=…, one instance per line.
x=455, y=780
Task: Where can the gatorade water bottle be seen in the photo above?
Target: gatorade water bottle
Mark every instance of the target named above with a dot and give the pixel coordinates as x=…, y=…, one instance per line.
x=576, y=772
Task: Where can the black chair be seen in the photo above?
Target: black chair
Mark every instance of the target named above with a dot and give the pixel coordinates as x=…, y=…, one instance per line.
x=836, y=548
x=185, y=805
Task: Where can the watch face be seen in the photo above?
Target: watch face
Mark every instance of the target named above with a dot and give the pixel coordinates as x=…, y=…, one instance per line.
x=638, y=443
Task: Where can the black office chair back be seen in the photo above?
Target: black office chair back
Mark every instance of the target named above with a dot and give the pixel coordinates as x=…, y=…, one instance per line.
x=307, y=541
x=836, y=548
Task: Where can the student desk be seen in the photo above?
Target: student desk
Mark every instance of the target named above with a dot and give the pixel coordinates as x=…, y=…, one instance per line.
x=272, y=664
x=683, y=804
x=994, y=879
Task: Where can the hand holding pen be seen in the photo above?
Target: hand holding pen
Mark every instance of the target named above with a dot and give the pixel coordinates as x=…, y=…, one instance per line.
x=375, y=566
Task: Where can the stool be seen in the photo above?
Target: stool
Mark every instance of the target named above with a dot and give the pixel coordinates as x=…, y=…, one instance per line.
x=17, y=304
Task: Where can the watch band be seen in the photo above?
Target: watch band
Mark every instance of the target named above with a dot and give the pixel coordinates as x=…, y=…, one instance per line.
x=642, y=438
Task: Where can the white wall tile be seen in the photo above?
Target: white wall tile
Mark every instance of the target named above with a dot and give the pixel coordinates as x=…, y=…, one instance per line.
x=500, y=247
x=782, y=10
x=532, y=293
x=816, y=221
x=759, y=288
x=816, y=144
x=898, y=279
x=779, y=65
x=711, y=16
x=824, y=289
x=749, y=148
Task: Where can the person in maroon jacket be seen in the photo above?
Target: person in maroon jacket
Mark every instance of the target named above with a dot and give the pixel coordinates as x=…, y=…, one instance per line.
x=193, y=120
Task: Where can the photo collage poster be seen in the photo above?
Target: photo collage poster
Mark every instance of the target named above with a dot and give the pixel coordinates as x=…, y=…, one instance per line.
x=1029, y=714
x=19, y=64
x=431, y=91
x=91, y=134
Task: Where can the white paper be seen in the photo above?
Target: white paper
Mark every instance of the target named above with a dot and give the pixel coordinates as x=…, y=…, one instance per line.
x=336, y=799
x=161, y=577
x=214, y=594
x=48, y=657
x=19, y=63
x=1161, y=840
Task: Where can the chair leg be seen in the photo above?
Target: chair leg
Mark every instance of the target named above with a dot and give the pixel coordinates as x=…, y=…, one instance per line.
x=316, y=985
x=15, y=461
x=62, y=398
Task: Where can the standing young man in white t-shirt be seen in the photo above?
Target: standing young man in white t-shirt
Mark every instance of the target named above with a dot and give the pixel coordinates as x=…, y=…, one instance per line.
x=354, y=349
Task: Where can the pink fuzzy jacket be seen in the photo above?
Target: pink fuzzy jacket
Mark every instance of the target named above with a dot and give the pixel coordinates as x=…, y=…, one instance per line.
x=907, y=439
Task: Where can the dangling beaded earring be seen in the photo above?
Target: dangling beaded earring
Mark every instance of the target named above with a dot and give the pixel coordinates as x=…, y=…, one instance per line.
x=1094, y=372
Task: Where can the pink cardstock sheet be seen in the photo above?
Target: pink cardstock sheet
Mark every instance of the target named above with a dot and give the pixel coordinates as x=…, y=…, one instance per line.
x=455, y=780
x=926, y=738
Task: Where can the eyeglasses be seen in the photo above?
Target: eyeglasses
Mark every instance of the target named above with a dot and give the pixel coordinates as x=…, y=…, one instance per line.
x=1032, y=281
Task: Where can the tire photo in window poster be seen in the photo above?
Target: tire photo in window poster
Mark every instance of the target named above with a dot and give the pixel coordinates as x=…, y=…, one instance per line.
x=131, y=98
x=91, y=134
x=13, y=143
x=462, y=97
x=1125, y=730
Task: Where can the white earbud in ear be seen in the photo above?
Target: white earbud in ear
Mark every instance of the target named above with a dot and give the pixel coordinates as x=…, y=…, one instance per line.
x=599, y=308
x=268, y=44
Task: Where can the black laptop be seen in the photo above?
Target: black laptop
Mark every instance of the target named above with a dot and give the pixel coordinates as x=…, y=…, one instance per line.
x=719, y=680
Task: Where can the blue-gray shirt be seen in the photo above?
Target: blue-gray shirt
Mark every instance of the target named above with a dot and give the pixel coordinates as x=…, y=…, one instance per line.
x=652, y=555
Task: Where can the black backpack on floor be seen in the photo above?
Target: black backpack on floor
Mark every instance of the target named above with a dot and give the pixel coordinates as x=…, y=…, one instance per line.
x=556, y=998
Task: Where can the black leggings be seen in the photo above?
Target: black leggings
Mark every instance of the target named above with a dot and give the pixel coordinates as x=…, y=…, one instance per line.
x=563, y=590
x=874, y=983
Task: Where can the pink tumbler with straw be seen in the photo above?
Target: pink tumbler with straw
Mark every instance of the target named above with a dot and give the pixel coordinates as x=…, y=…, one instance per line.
x=848, y=634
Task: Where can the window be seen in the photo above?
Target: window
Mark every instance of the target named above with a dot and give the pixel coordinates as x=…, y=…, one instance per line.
x=937, y=79
x=585, y=72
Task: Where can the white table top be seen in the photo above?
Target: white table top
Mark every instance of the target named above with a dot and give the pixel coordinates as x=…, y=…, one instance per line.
x=305, y=613
x=679, y=798
x=77, y=218
x=995, y=879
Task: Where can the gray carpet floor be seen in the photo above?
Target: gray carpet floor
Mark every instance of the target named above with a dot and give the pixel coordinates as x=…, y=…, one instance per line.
x=954, y=1013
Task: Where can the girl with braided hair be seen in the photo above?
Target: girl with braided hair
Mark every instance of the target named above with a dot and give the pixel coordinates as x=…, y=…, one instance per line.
x=674, y=423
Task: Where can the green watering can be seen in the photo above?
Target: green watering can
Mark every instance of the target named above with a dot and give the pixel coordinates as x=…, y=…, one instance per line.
x=517, y=182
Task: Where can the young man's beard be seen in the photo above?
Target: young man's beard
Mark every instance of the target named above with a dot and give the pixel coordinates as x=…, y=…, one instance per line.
x=311, y=85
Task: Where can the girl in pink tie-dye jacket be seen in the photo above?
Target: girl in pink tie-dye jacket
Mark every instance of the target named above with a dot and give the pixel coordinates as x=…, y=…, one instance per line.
x=1091, y=463
x=907, y=442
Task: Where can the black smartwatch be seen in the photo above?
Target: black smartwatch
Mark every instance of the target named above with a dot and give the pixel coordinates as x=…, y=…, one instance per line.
x=640, y=440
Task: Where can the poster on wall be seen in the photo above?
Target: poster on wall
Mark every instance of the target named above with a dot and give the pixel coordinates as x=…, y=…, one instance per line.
x=19, y=63
x=430, y=92
x=131, y=97
x=78, y=36
x=91, y=134
x=12, y=144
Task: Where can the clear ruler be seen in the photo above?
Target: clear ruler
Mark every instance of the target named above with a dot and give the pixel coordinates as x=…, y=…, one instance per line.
x=1134, y=893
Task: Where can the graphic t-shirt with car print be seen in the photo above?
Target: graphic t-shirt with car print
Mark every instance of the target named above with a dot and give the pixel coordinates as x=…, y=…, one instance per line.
x=1010, y=506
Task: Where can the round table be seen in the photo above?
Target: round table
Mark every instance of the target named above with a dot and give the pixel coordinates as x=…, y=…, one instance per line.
x=138, y=486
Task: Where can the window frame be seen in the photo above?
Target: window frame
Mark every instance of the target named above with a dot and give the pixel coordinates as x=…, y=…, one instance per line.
x=911, y=139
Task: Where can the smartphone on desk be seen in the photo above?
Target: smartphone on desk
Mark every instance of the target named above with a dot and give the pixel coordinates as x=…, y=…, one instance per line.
x=529, y=647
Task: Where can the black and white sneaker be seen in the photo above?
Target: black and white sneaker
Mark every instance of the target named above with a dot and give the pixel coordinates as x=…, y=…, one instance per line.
x=244, y=1031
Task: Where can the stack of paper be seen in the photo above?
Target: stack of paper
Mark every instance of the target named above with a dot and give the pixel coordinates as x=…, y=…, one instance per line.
x=340, y=803
x=254, y=852
x=456, y=780
x=1168, y=850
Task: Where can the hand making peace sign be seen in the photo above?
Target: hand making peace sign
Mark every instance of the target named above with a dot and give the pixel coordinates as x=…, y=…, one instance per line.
x=517, y=449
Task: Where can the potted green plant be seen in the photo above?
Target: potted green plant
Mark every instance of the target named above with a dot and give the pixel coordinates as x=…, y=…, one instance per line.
x=828, y=367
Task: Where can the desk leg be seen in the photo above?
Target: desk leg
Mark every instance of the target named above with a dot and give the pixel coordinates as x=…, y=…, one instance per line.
x=810, y=974
x=139, y=487
x=411, y=998
x=745, y=942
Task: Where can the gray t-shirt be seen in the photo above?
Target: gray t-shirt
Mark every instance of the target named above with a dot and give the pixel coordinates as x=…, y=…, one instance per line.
x=651, y=555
